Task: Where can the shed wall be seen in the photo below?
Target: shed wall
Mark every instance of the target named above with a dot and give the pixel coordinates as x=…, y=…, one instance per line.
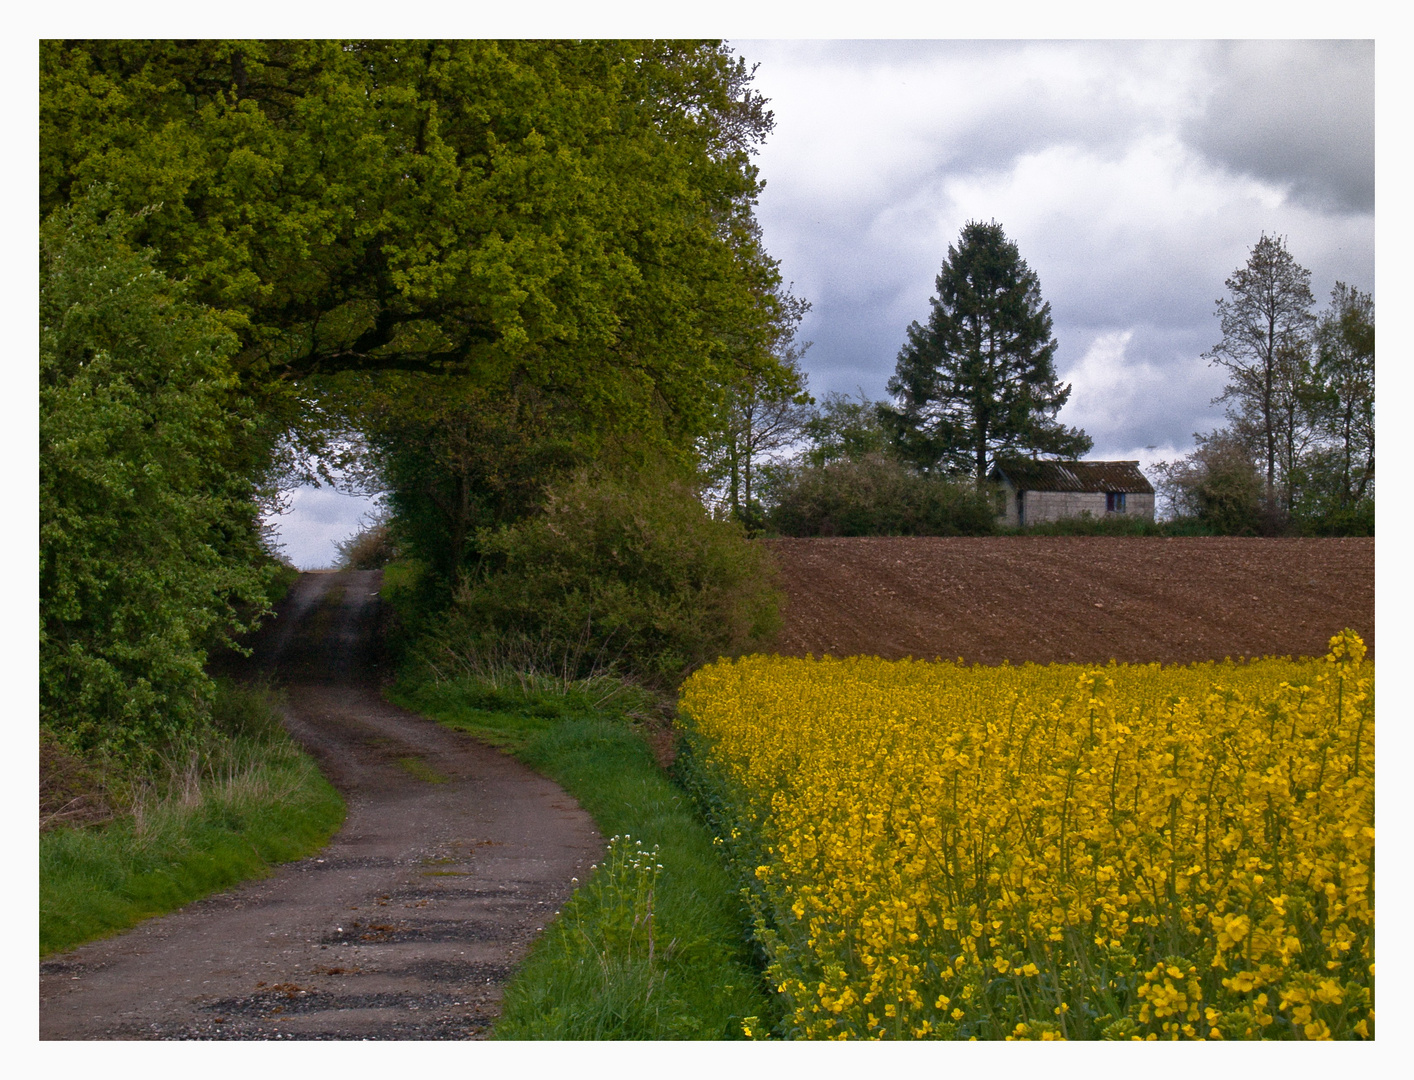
x=1042, y=506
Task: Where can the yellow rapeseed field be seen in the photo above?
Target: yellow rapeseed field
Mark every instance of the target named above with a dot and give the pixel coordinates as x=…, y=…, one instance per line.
x=1130, y=851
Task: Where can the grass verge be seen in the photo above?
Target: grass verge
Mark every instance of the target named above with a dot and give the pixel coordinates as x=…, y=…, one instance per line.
x=654, y=944
x=224, y=808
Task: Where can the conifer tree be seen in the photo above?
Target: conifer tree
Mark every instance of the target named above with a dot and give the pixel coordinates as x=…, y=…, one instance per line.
x=978, y=382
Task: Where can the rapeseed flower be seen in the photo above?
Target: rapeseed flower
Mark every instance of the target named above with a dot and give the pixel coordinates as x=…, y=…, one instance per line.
x=1131, y=851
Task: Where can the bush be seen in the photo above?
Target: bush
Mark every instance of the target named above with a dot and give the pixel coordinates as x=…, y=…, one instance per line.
x=1086, y=524
x=878, y=496
x=149, y=548
x=1219, y=486
x=371, y=548
x=616, y=573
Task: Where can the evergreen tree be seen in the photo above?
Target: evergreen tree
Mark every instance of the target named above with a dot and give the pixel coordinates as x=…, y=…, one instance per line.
x=978, y=382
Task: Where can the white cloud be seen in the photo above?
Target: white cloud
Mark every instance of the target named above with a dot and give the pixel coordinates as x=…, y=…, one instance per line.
x=1123, y=401
x=1104, y=161
x=316, y=520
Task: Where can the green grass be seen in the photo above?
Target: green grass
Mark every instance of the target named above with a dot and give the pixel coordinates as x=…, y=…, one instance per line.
x=221, y=810
x=638, y=952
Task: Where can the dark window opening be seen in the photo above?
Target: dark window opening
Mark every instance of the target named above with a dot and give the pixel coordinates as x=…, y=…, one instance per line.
x=1114, y=502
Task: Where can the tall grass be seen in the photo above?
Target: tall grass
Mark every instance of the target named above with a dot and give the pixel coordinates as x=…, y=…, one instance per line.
x=221, y=807
x=653, y=945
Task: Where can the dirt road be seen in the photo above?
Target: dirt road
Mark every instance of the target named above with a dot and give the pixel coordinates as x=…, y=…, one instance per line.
x=407, y=926
x=1073, y=599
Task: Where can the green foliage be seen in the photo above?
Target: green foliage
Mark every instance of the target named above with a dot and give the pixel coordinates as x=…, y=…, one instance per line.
x=223, y=805
x=626, y=572
x=457, y=457
x=841, y=428
x=149, y=548
x=593, y=974
x=1335, y=488
x=1218, y=486
x=878, y=496
x=1087, y=524
x=575, y=214
x=979, y=381
x=1325, y=503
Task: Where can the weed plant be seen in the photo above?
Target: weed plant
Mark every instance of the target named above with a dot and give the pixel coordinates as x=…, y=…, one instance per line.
x=1086, y=524
x=221, y=806
x=653, y=945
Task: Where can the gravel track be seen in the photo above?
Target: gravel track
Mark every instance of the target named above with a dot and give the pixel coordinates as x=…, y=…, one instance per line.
x=406, y=926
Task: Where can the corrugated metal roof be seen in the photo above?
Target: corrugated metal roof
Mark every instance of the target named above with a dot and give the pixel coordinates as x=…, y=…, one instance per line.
x=1119, y=476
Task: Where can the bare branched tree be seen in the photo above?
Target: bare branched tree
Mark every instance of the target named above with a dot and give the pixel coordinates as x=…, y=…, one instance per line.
x=1267, y=329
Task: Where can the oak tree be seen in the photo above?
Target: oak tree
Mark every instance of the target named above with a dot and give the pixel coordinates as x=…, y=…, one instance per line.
x=577, y=215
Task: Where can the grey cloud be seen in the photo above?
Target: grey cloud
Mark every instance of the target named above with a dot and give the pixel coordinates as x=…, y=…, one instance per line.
x=1297, y=113
x=1162, y=393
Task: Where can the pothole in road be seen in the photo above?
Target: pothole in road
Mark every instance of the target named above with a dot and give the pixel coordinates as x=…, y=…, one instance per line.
x=439, y=932
x=266, y=1005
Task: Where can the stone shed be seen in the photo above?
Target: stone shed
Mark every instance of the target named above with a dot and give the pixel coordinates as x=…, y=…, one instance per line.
x=1037, y=491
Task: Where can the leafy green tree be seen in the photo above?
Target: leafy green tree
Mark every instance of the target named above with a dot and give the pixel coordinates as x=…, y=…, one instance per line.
x=455, y=457
x=1343, y=397
x=576, y=215
x=978, y=382
x=1267, y=326
x=843, y=429
x=149, y=548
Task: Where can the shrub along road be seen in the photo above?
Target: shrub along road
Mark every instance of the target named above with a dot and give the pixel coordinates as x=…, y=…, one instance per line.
x=407, y=926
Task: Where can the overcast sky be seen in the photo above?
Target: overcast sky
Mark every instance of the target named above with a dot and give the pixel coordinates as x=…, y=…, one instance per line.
x=1134, y=177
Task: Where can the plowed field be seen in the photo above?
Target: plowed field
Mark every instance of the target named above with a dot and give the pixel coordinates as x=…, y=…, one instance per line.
x=1073, y=599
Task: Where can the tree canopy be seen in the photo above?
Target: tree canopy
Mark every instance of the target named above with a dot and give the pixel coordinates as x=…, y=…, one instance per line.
x=978, y=382
x=572, y=214
x=1298, y=453
x=487, y=260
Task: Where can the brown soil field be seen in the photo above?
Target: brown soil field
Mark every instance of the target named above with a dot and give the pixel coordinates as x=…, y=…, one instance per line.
x=1073, y=599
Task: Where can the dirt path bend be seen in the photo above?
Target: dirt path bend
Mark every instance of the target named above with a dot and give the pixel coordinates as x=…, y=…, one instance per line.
x=407, y=926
